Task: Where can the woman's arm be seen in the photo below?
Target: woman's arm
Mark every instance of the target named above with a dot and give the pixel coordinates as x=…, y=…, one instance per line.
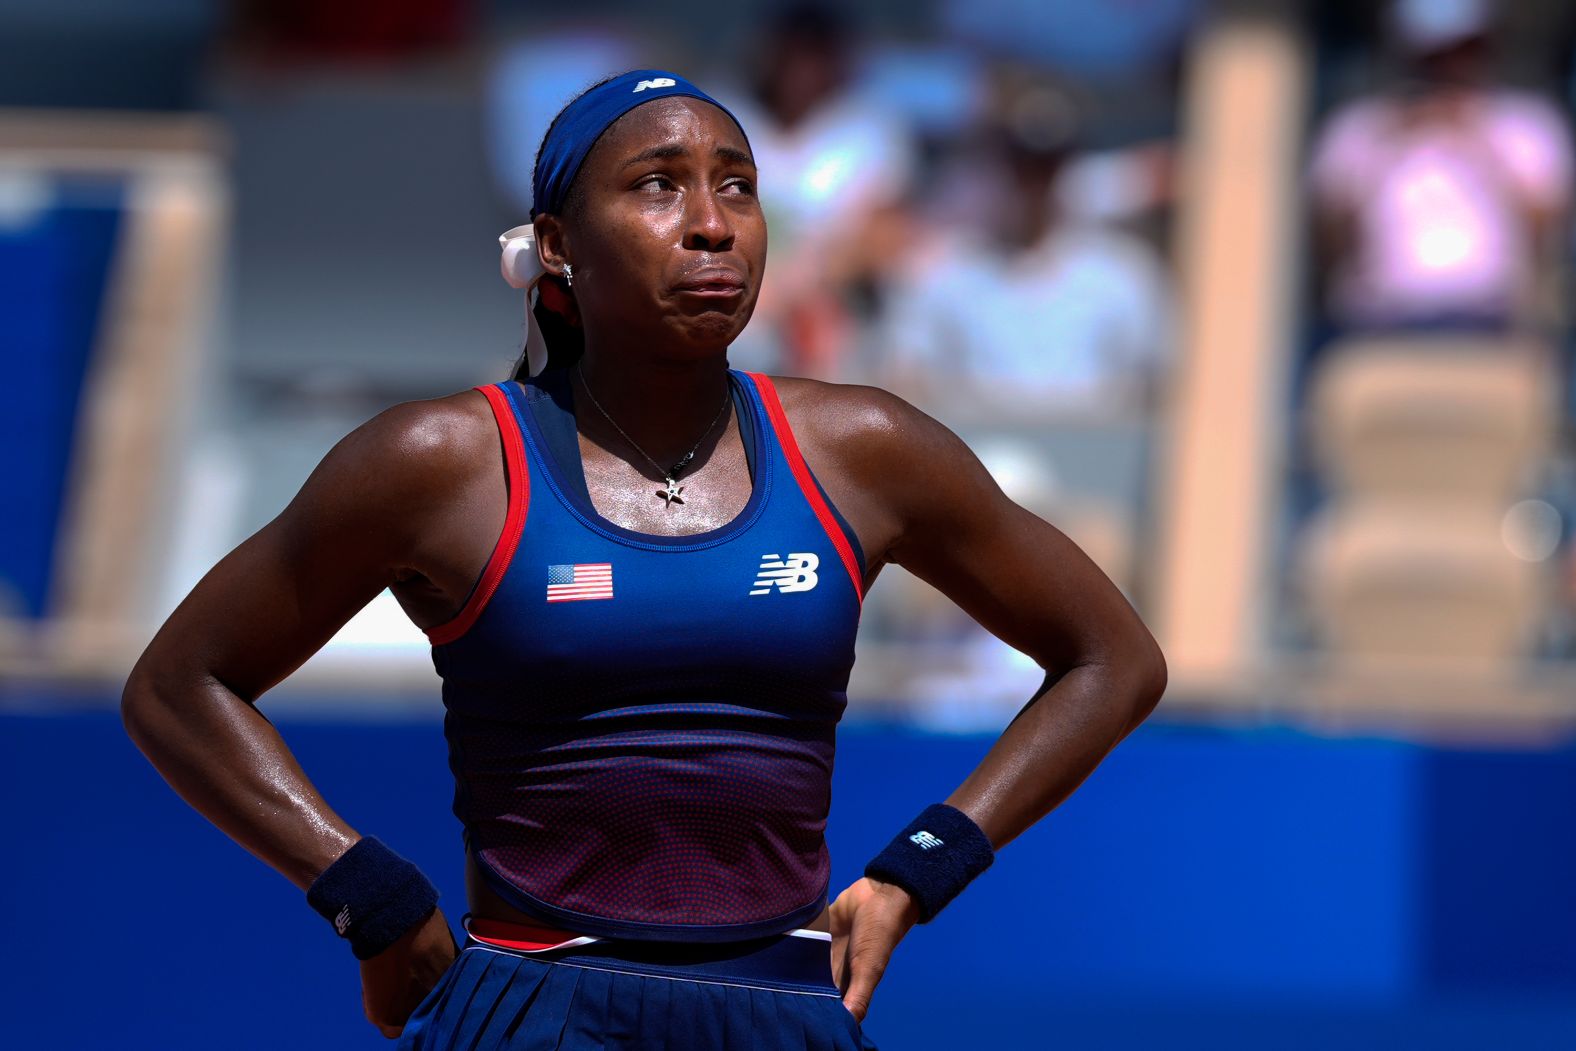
x=1030, y=586
x=950, y=524
x=356, y=527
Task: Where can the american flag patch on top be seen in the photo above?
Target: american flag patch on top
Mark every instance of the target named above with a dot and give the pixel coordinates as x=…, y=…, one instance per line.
x=581, y=581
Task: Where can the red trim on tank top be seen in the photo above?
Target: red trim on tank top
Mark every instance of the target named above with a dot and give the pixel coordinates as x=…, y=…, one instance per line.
x=801, y=473
x=519, y=500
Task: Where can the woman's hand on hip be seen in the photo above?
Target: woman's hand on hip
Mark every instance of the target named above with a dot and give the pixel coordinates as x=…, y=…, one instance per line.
x=868, y=920
x=396, y=980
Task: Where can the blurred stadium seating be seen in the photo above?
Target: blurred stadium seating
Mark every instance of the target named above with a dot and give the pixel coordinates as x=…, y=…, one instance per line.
x=1428, y=445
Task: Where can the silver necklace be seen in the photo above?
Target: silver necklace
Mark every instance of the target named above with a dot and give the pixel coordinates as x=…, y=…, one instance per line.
x=671, y=474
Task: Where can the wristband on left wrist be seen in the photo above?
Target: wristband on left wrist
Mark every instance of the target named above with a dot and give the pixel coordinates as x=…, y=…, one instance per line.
x=938, y=854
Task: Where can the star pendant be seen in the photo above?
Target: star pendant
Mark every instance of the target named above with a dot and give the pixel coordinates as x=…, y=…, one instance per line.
x=671, y=494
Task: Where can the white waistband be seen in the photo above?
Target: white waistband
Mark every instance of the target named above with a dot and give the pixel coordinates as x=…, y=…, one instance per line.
x=804, y=932
x=587, y=939
x=800, y=932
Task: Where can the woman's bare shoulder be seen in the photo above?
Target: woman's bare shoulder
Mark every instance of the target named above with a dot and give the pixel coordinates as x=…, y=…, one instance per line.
x=412, y=457
x=865, y=422
x=430, y=439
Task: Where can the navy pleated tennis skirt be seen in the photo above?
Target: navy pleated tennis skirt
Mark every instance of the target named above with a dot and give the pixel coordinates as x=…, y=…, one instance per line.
x=767, y=994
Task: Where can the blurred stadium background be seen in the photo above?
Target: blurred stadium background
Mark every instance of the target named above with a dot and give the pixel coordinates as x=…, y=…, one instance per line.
x=1264, y=303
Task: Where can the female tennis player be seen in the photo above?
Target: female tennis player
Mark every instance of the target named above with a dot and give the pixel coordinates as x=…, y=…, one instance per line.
x=641, y=573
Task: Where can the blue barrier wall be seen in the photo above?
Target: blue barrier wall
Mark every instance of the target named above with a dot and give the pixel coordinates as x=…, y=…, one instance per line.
x=1205, y=889
x=54, y=268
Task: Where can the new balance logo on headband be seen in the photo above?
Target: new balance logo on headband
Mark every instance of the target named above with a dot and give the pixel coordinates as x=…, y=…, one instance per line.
x=658, y=82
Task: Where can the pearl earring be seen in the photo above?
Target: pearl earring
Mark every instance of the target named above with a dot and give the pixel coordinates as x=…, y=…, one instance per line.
x=569, y=275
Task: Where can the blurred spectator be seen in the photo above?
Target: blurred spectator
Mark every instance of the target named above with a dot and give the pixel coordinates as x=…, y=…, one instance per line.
x=1014, y=303
x=1100, y=39
x=832, y=162
x=1441, y=202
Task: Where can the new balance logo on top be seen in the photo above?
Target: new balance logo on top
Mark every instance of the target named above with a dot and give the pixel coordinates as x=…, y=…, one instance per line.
x=657, y=82
x=925, y=840
x=342, y=921
x=794, y=573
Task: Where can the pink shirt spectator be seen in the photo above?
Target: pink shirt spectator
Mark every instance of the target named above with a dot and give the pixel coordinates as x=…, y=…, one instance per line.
x=1443, y=204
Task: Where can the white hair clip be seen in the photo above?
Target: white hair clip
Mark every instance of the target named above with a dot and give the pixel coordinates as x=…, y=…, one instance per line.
x=522, y=268
x=520, y=265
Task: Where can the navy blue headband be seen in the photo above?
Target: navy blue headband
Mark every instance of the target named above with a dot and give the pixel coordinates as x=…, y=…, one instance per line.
x=585, y=119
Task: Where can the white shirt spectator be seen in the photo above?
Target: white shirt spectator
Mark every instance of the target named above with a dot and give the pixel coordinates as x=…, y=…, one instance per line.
x=843, y=158
x=1081, y=319
x=820, y=180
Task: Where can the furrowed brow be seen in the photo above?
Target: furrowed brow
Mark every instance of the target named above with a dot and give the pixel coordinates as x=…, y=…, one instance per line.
x=669, y=150
x=656, y=153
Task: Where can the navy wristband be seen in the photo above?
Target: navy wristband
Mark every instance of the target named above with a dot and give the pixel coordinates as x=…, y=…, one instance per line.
x=372, y=896
x=934, y=858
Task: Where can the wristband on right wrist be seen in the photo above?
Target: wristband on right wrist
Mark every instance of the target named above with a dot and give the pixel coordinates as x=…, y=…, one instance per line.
x=934, y=858
x=372, y=896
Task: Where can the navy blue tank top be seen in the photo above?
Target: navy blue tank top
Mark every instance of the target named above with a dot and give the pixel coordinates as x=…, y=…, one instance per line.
x=641, y=726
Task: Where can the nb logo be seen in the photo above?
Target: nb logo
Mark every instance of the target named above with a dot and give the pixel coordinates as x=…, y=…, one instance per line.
x=342, y=921
x=925, y=840
x=794, y=573
x=657, y=82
